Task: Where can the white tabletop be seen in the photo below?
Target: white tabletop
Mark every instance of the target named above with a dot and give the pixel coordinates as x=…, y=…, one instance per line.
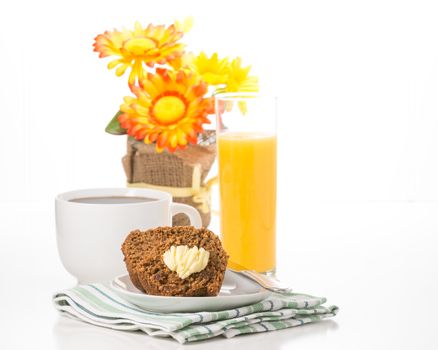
x=378, y=261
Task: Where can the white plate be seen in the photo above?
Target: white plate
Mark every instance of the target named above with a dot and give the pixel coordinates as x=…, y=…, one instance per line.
x=236, y=291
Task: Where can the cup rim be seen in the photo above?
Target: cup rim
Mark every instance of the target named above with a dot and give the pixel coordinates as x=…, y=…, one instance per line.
x=159, y=196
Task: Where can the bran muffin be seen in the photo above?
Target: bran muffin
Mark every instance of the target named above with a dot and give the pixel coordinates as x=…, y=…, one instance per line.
x=144, y=251
x=134, y=248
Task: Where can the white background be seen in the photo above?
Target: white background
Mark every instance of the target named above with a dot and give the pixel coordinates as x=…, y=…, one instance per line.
x=358, y=82
x=358, y=145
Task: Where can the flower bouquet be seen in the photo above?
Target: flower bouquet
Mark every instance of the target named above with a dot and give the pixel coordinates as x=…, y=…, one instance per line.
x=172, y=99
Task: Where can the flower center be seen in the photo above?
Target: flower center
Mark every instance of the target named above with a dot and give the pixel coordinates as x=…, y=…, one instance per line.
x=169, y=109
x=138, y=46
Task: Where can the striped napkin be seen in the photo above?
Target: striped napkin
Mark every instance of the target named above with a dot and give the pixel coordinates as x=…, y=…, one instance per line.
x=98, y=305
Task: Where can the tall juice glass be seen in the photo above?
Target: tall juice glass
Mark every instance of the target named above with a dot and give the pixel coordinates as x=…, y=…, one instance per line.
x=247, y=148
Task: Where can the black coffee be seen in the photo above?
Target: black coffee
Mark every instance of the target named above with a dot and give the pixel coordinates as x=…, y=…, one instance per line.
x=112, y=200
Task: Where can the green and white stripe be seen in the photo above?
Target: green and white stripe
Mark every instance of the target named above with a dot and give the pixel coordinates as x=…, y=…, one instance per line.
x=98, y=305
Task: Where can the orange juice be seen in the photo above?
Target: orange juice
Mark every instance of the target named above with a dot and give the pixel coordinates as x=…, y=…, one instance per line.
x=247, y=175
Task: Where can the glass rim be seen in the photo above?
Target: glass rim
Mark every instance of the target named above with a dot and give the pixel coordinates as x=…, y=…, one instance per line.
x=234, y=96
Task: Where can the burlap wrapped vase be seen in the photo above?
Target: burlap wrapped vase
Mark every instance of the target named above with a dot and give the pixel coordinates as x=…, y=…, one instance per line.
x=182, y=173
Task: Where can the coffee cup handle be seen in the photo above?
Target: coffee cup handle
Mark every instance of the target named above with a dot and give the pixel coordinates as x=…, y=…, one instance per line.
x=192, y=213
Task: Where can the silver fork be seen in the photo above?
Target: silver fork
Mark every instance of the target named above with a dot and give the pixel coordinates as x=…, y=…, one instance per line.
x=267, y=282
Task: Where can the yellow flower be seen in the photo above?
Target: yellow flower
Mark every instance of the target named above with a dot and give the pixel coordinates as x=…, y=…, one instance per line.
x=139, y=47
x=169, y=109
x=214, y=71
x=225, y=75
x=239, y=79
x=185, y=25
x=183, y=62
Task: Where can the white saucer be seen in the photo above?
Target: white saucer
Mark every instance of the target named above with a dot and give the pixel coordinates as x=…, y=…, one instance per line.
x=236, y=291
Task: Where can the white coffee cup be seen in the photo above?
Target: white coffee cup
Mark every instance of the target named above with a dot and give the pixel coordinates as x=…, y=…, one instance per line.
x=90, y=236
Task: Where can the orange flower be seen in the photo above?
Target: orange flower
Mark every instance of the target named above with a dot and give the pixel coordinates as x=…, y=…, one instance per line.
x=139, y=47
x=168, y=108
